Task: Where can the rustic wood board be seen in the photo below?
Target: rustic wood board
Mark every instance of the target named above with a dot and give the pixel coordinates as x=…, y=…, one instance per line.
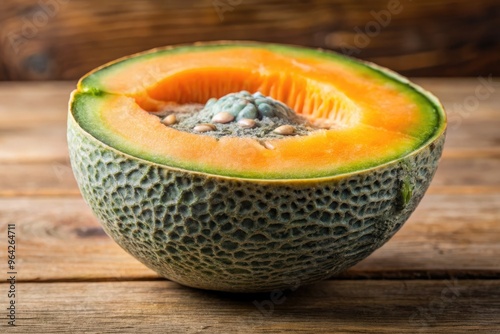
x=46, y=178
x=366, y=306
x=34, y=152
x=448, y=235
x=74, y=278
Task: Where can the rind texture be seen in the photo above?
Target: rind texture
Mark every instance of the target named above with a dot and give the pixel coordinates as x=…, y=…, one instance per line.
x=239, y=235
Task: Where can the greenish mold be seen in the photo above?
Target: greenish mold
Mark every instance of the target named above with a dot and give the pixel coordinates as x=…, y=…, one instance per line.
x=245, y=105
x=406, y=191
x=268, y=114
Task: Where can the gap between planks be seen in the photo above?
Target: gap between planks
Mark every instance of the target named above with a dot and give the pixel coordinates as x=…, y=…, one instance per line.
x=455, y=175
x=407, y=275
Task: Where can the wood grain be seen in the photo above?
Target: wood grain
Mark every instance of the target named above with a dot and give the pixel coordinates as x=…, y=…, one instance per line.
x=442, y=306
x=427, y=37
x=61, y=240
x=448, y=235
x=439, y=274
x=455, y=175
x=34, y=152
x=33, y=122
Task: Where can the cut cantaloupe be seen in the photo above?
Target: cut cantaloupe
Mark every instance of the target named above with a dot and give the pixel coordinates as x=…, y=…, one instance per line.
x=229, y=213
x=380, y=118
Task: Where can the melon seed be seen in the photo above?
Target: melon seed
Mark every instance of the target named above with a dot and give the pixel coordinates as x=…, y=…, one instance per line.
x=223, y=117
x=247, y=123
x=268, y=145
x=285, y=130
x=210, y=102
x=205, y=127
x=169, y=120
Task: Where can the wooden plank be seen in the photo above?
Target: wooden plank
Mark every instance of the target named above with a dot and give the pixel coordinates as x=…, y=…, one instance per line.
x=466, y=171
x=448, y=89
x=37, y=179
x=31, y=104
x=451, y=89
x=455, y=235
x=34, y=153
x=55, y=178
x=33, y=121
x=59, y=239
x=433, y=306
x=41, y=143
x=33, y=118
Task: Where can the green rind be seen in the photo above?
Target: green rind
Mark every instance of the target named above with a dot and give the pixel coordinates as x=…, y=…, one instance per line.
x=230, y=234
x=90, y=86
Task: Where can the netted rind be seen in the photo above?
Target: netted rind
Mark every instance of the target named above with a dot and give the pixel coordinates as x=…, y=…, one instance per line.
x=242, y=235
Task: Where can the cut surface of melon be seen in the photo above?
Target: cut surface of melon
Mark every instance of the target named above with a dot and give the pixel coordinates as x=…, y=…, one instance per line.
x=377, y=116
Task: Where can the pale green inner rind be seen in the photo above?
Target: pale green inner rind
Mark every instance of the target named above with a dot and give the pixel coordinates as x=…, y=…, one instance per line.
x=86, y=109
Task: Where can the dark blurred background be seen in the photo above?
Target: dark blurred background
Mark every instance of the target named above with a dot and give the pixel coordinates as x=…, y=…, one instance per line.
x=63, y=39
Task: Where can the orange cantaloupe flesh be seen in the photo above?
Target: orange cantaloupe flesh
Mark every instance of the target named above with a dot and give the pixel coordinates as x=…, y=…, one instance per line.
x=376, y=118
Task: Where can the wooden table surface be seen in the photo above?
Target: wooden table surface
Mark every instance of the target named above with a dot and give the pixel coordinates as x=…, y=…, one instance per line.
x=439, y=274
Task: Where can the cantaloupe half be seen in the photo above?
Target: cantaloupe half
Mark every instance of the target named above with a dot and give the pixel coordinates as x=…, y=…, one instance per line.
x=230, y=213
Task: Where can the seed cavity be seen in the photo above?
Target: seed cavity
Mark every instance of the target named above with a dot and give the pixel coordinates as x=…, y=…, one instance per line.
x=247, y=123
x=169, y=120
x=206, y=127
x=239, y=114
x=223, y=117
x=285, y=130
x=254, y=106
